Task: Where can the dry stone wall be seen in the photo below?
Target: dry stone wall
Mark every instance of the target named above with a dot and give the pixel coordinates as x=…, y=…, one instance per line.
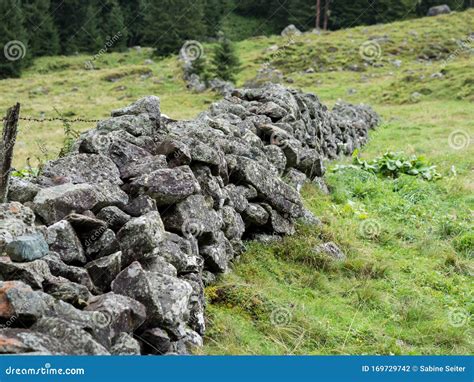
x=109, y=250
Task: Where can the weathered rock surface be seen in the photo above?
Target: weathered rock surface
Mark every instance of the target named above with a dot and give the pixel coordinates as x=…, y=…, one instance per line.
x=439, y=10
x=146, y=210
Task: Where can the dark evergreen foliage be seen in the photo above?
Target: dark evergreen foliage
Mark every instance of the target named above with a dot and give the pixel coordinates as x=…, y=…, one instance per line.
x=14, y=53
x=225, y=61
x=50, y=27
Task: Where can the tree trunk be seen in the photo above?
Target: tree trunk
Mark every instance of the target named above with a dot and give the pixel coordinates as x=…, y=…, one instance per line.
x=318, y=14
x=326, y=14
x=10, y=129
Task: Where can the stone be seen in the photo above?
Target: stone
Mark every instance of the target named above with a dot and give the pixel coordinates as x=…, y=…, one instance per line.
x=176, y=152
x=135, y=125
x=218, y=253
x=68, y=291
x=114, y=217
x=439, y=10
x=87, y=226
x=295, y=179
x=158, y=264
x=121, y=313
x=234, y=226
x=178, y=252
x=106, y=244
x=235, y=172
x=193, y=217
x=280, y=225
x=278, y=194
x=187, y=344
x=147, y=105
x=27, y=248
x=165, y=297
x=140, y=235
x=63, y=240
x=72, y=273
x=140, y=205
x=143, y=166
x=20, y=303
x=104, y=270
x=237, y=197
x=155, y=341
x=75, y=339
x=290, y=30
x=82, y=168
x=55, y=203
x=331, y=250
x=255, y=214
x=22, y=190
x=126, y=345
x=167, y=186
x=15, y=210
x=33, y=273
x=26, y=341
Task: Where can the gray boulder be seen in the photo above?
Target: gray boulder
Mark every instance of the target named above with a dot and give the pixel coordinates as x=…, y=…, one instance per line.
x=73, y=337
x=104, y=270
x=55, y=203
x=167, y=186
x=156, y=341
x=140, y=235
x=34, y=273
x=27, y=248
x=126, y=345
x=121, y=313
x=166, y=298
x=22, y=305
x=290, y=30
x=193, y=217
x=142, y=166
x=114, y=217
x=439, y=10
x=67, y=291
x=63, y=240
x=82, y=168
x=331, y=250
x=147, y=105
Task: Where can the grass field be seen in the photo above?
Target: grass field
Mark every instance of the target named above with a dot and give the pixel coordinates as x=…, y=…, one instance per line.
x=407, y=284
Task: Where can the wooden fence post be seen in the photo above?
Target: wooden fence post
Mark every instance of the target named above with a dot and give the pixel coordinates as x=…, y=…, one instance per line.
x=10, y=130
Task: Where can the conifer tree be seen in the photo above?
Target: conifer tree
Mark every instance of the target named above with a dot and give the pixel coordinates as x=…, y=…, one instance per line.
x=301, y=14
x=14, y=53
x=89, y=39
x=112, y=26
x=133, y=12
x=225, y=61
x=43, y=34
x=78, y=25
x=169, y=23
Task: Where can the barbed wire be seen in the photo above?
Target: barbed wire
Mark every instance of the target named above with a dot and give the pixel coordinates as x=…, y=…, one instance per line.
x=41, y=120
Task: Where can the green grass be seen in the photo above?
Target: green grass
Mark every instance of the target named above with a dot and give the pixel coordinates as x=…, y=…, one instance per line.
x=409, y=243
